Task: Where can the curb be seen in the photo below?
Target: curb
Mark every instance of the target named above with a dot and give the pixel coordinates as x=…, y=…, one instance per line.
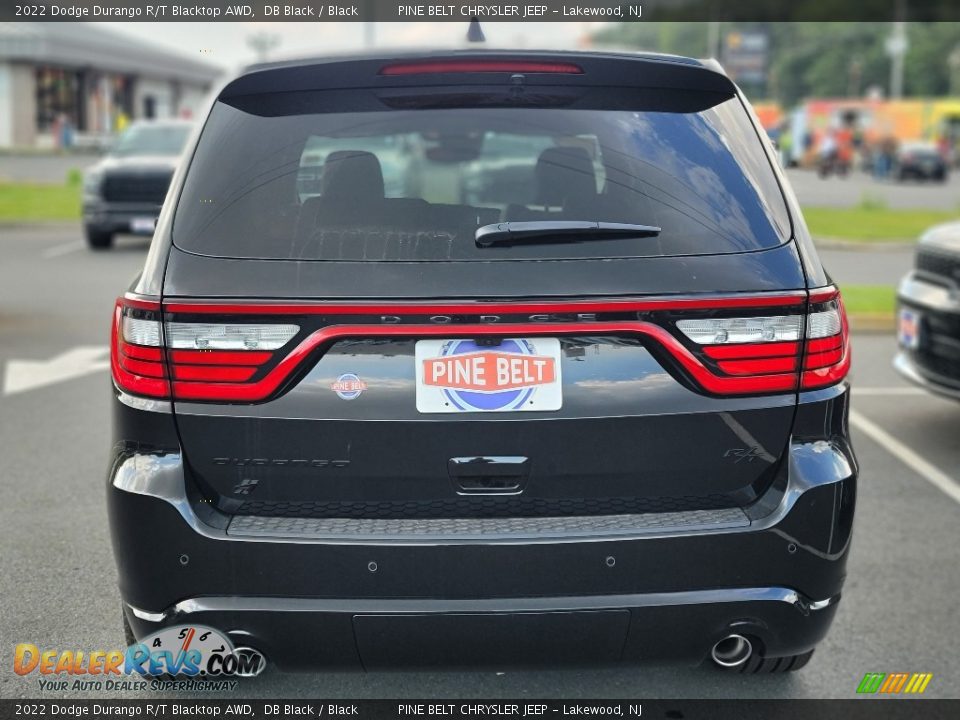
x=829, y=243
x=872, y=323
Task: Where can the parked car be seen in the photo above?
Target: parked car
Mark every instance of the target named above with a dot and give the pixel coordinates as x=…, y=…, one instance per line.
x=602, y=419
x=929, y=313
x=123, y=193
x=920, y=161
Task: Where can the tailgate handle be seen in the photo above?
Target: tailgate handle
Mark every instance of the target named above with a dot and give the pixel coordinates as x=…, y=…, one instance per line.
x=489, y=474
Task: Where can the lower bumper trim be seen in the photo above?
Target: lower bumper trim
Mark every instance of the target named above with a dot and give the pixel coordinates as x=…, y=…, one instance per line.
x=479, y=605
x=507, y=632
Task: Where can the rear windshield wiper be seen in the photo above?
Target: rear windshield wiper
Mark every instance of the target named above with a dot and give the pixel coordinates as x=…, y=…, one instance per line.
x=558, y=231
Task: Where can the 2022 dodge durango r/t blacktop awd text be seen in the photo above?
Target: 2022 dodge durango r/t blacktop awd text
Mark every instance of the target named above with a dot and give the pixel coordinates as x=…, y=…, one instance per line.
x=483, y=359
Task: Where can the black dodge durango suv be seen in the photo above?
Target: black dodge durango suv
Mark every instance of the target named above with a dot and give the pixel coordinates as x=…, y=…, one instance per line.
x=488, y=359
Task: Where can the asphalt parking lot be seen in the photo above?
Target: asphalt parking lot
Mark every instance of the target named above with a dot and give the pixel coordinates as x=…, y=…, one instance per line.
x=899, y=611
x=858, y=186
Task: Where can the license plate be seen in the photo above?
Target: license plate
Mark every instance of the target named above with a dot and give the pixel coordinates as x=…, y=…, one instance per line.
x=512, y=375
x=908, y=329
x=143, y=225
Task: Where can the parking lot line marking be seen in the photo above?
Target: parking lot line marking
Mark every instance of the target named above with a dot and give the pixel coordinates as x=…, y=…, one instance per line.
x=908, y=457
x=59, y=250
x=22, y=375
x=892, y=391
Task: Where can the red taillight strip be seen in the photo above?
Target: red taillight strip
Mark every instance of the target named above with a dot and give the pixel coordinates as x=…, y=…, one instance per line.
x=219, y=357
x=266, y=386
x=822, y=377
x=751, y=350
x=824, y=294
x=762, y=366
x=823, y=359
x=479, y=308
x=143, y=367
x=139, y=352
x=818, y=345
x=480, y=66
x=213, y=373
x=132, y=301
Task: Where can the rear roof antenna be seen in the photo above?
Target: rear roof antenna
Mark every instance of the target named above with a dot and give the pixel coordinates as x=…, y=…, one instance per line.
x=475, y=32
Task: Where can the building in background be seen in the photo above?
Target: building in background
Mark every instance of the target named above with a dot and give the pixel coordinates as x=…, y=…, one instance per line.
x=69, y=83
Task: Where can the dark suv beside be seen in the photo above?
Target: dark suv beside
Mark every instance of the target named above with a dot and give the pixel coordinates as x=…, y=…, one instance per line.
x=373, y=410
x=928, y=315
x=123, y=193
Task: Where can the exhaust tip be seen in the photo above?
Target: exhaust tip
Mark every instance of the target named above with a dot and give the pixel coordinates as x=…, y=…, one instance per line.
x=252, y=662
x=732, y=651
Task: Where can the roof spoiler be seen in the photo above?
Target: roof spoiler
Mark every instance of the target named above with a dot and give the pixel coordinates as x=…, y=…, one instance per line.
x=598, y=70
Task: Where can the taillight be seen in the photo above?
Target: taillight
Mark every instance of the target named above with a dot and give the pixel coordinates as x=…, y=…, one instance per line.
x=827, y=353
x=724, y=345
x=190, y=361
x=764, y=353
x=136, y=352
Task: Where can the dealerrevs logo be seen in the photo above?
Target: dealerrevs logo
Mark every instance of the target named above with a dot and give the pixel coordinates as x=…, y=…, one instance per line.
x=187, y=651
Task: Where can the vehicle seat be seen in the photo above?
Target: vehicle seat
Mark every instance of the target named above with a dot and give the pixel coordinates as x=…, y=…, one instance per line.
x=566, y=187
x=351, y=188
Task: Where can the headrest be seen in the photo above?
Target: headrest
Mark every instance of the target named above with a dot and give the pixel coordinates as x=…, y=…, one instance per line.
x=563, y=173
x=352, y=174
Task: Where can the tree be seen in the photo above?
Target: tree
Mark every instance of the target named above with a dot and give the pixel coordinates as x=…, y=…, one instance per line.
x=814, y=59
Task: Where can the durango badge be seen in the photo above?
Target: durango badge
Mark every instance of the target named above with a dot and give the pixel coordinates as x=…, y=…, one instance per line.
x=462, y=376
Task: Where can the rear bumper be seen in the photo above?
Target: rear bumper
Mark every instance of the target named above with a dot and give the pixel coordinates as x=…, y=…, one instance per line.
x=935, y=363
x=117, y=217
x=681, y=627
x=487, y=593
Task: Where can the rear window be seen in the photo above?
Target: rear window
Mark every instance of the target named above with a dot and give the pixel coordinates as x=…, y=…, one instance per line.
x=414, y=185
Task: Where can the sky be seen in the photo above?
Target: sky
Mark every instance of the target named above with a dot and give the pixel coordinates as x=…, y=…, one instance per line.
x=226, y=44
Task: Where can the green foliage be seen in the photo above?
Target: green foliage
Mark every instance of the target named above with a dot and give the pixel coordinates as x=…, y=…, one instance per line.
x=829, y=59
x=28, y=202
x=871, y=299
x=869, y=201
x=74, y=177
x=871, y=221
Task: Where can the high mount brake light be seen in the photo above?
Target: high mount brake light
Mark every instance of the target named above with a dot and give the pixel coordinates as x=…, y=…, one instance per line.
x=434, y=67
x=228, y=360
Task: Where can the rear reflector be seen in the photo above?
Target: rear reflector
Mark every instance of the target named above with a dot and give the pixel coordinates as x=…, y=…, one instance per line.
x=480, y=66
